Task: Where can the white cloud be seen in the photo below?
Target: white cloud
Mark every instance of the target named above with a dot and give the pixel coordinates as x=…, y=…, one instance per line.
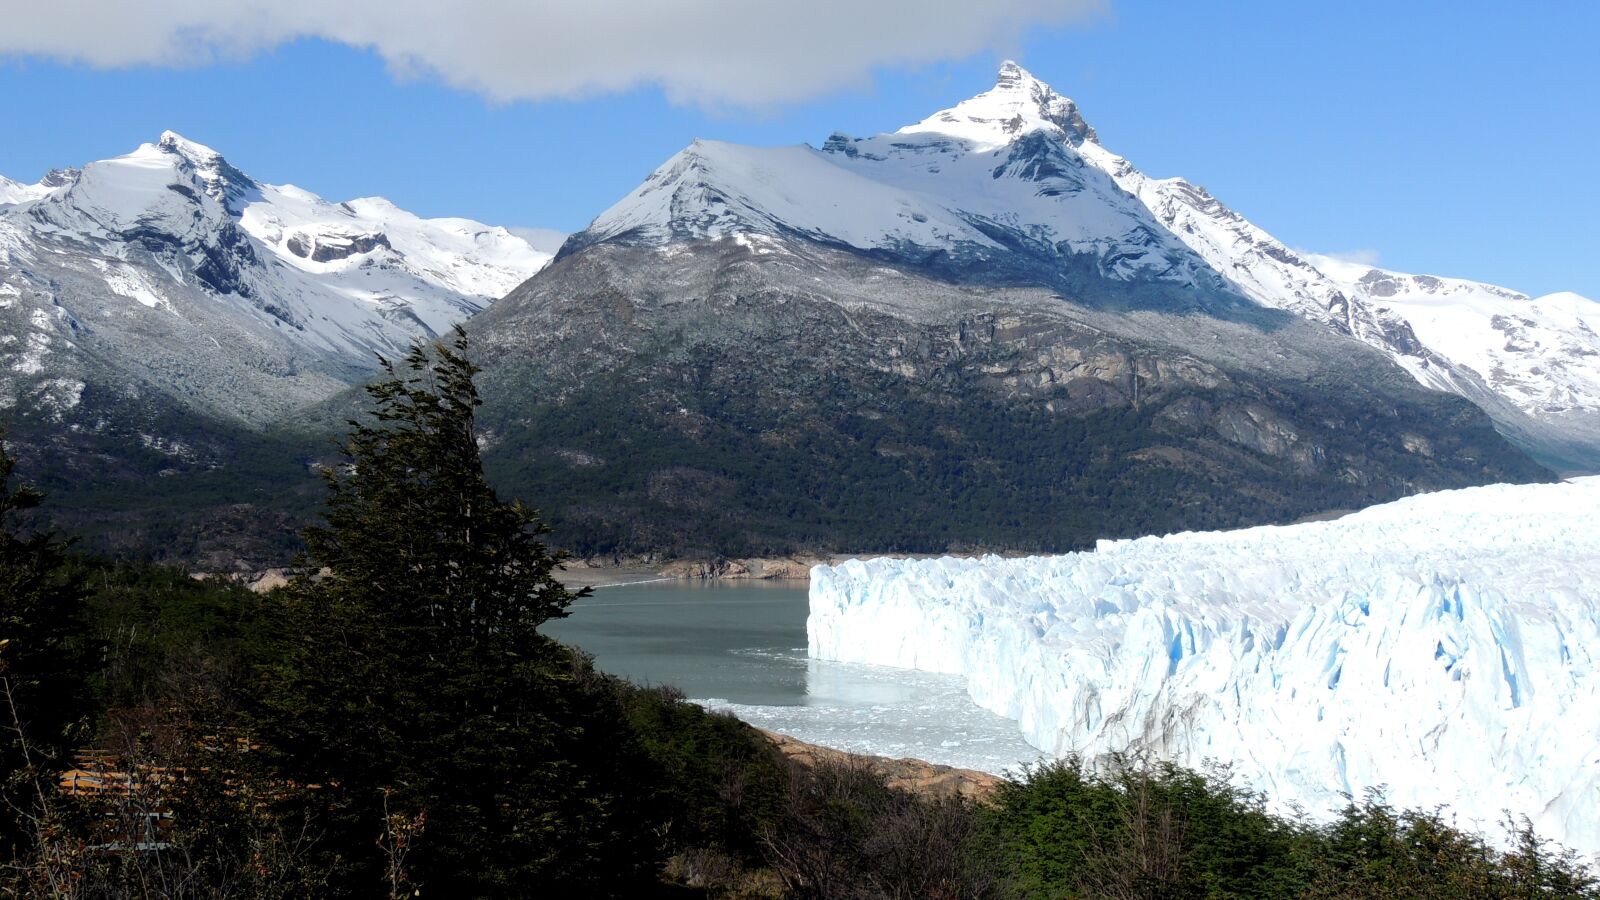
x=1364, y=256
x=717, y=52
x=1347, y=266
x=544, y=240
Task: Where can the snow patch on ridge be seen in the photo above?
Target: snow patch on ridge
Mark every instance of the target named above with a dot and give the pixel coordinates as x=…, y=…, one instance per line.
x=713, y=189
x=16, y=192
x=1446, y=645
x=380, y=266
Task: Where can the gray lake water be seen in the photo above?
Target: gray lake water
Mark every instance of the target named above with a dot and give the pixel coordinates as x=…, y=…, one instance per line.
x=742, y=648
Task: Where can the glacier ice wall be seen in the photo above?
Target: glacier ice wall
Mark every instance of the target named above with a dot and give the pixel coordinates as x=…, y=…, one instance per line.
x=1446, y=646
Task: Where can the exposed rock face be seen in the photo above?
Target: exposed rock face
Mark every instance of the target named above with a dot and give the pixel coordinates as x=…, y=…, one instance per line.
x=335, y=246
x=743, y=395
x=783, y=569
x=702, y=569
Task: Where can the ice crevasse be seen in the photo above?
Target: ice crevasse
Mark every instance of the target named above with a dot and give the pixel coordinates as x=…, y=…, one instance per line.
x=1445, y=647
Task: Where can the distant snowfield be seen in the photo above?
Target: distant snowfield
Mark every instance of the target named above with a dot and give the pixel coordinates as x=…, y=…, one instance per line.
x=1445, y=645
x=349, y=278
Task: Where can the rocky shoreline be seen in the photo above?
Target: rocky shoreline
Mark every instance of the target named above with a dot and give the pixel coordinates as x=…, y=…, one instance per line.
x=762, y=568
x=917, y=776
x=591, y=573
x=605, y=574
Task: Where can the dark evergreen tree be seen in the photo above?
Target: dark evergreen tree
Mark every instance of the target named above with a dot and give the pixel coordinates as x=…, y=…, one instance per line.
x=412, y=680
x=412, y=516
x=46, y=658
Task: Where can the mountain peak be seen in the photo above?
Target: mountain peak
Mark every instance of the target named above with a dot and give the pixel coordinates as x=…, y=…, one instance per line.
x=60, y=177
x=173, y=142
x=1014, y=76
x=1018, y=103
x=222, y=181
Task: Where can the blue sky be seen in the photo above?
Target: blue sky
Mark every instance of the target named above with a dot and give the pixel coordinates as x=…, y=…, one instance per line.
x=1455, y=139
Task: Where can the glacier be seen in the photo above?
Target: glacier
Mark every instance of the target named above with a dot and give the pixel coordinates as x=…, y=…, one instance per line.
x=1444, y=647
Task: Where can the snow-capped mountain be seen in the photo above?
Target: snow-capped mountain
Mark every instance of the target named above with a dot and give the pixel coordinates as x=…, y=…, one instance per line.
x=1443, y=645
x=1013, y=186
x=916, y=308
x=169, y=270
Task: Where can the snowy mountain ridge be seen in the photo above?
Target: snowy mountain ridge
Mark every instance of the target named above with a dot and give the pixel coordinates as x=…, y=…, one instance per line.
x=1443, y=645
x=16, y=192
x=1539, y=352
x=175, y=270
x=1541, y=357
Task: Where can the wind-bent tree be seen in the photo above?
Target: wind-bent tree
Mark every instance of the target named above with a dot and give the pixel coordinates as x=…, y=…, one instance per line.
x=411, y=677
x=412, y=516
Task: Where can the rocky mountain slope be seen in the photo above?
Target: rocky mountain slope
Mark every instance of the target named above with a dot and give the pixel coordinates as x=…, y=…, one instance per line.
x=1013, y=185
x=965, y=333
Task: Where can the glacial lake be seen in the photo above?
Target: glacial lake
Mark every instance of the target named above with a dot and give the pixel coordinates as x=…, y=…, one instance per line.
x=741, y=647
